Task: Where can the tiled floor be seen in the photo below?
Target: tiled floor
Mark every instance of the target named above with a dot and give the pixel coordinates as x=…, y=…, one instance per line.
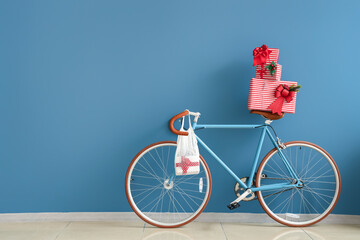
x=195, y=230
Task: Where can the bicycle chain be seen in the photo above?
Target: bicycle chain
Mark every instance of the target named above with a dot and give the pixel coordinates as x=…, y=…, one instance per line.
x=269, y=195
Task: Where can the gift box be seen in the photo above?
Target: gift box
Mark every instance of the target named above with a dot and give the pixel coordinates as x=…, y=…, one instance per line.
x=263, y=72
x=272, y=96
x=273, y=56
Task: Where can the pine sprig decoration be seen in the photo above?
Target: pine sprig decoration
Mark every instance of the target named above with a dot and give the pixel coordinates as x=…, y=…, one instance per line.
x=295, y=88
x=271, y=67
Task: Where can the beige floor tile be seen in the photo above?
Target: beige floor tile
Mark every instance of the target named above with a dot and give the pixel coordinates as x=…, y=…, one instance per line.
x=191, y=231
x=103, y=231
x=275, y=231
x=31, y=230
x=329, y=232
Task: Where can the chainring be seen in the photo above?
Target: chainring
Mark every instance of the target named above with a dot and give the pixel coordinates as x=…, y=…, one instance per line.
x=239, y=190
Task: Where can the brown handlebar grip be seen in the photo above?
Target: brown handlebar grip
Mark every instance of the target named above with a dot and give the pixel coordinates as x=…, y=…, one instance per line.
x=173, y=119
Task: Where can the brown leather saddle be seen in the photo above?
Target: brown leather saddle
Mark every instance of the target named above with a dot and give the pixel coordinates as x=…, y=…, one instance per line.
x=268, y=115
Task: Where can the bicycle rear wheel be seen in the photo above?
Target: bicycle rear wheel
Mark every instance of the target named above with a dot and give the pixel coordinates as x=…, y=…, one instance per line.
x=299, y=206
x=153, y=199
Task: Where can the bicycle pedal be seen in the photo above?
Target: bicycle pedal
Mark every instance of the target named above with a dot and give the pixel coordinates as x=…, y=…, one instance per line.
x=232, y=206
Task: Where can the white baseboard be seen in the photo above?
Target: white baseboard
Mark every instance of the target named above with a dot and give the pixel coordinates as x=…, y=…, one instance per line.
x=130, y=216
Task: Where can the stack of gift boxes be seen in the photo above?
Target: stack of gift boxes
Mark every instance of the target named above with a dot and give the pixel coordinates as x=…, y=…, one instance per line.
x=267, y=92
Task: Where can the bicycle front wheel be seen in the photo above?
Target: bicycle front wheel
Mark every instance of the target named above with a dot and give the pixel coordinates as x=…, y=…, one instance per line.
x=159, y=197
x=305, y=205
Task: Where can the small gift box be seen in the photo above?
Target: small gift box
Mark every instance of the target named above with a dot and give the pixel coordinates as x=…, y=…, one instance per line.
x=272, y=96
x=270, y=72
x=273, y=56
x=265, y=55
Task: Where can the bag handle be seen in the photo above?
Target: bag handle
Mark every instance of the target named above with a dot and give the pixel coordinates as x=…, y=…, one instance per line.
x=189, y=116
x=182, y=123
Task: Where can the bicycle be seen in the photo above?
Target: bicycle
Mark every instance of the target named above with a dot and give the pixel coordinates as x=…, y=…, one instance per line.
x=297, y=183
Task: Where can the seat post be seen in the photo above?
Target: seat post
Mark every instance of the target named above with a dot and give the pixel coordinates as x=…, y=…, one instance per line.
x=268, y=121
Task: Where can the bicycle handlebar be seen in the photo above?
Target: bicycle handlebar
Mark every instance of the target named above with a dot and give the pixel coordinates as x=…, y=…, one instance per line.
x=180, y=115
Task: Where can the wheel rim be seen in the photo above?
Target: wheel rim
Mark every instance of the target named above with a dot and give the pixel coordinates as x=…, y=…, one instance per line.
x=157, y=202
x=305, y=205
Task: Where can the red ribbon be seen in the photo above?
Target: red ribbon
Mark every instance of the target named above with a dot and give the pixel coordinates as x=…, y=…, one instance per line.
x=282, y=93
x=261, y=54
x=185, y=164
x=262, y=70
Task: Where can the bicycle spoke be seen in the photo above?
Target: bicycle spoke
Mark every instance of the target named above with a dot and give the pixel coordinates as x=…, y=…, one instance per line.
x=156, y=161
x=315, y=178
x=145, y=172
x=307, y=166
x=324, y=189
x=147, y=195
x=288, y=200
x=154, y=175
x=161, y=197
x=168, y=156
x=189, y=190
x=187, y=178
x=140, y=184
x=187, y=201
x=281, y=169
x=160, y=167
x=138, y=176
x=190, y=183
x=153, y=188
x=188, y=195
x=161, y=205
x=152, y=202
x=162, y=162
x=278, y=195
x=320, y=176
x=277, y=173
x=318, y=194
x=289, y=160
x=177, y=201
x=304, y=174
x=150, y=166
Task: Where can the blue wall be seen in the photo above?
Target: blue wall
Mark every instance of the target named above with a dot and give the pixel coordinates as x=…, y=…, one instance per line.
x=84, y=85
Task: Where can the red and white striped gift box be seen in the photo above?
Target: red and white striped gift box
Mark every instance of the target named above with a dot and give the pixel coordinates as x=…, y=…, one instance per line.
x=273, y=56
x=266, y=72
x=262, y=95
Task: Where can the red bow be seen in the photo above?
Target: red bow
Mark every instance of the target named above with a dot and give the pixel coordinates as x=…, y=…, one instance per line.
x=282, y=93
x=261, y=71
x=261, y=54
x=186, y=163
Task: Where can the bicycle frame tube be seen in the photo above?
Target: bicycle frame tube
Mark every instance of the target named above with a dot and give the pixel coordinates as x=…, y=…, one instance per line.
x=282, y=156
x=264, y=131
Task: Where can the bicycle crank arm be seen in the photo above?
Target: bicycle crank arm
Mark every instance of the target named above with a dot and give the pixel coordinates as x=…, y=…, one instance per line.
x=242, y=196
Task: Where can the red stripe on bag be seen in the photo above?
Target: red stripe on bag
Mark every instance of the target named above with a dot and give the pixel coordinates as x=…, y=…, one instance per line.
x=186, y=163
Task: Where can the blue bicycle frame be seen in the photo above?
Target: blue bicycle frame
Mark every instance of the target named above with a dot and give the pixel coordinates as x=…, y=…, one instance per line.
x=248, y=185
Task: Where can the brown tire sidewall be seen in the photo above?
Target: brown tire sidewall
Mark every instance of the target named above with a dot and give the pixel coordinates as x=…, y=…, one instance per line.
x=134, y=208
x=257, y=183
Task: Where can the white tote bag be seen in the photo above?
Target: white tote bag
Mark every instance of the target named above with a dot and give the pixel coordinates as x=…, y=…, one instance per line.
x=187, y=152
